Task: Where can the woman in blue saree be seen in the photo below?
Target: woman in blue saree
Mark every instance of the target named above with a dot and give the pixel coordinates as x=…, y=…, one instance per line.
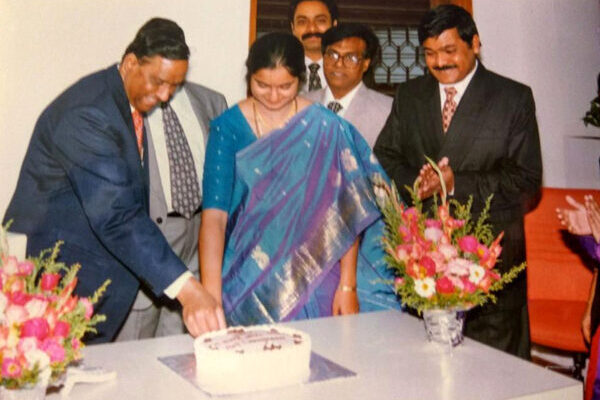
x=290, y=227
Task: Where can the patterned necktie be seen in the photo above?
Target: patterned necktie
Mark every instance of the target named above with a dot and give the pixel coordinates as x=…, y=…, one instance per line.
x=334, y=106
x=449, y=107
x=185, y=191
x=314, y=81
x=138, y=124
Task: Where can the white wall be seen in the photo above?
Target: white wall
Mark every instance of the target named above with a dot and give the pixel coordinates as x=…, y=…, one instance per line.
x=47, y=45
x=554, y=47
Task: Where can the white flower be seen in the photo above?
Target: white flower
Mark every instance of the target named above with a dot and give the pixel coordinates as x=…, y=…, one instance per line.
x=348, y=160
x=260, y=257
x=380, y=192
x=477, y=272
x=36, y=307
x=38, y=356
x=425, y=287
x=433, y=234
x=373, y=159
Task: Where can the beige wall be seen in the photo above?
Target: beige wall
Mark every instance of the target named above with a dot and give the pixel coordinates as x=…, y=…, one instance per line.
x=47, y=45
x=554, y=47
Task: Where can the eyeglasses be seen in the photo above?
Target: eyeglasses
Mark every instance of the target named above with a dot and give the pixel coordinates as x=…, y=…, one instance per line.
x=350, y=60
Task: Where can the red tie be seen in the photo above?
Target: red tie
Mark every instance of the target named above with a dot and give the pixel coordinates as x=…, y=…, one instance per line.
x=138, y=124
x=449, y=107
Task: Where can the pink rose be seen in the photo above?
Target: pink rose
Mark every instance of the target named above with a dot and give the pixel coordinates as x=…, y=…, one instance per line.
x=428, y=265
x=62, y=329
x=89, y=308
x=75, y=343
x=54, y=350
x=19, y=298
x=468, y=286
x=25, y=268
x=433, y=223
x=49, y=281
x=11, y=368
x=398, y=282
x=444, y=285
x=468, y=244
x=35, y=327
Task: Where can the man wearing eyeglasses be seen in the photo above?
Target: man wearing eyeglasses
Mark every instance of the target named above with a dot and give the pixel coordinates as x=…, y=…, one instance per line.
x=348, y=53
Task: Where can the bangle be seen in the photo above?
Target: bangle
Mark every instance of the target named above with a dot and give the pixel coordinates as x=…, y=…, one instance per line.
x=346, y=288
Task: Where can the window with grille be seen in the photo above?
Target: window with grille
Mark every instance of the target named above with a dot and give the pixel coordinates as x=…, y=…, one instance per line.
x=393, y=21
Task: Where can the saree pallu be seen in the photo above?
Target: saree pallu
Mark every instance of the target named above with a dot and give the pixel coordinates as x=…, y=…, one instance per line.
x=302, y=195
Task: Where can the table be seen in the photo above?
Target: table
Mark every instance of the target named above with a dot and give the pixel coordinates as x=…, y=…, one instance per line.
x=388, y=350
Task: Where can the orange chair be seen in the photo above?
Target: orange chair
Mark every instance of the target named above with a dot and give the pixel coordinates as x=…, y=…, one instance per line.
x=558, y=278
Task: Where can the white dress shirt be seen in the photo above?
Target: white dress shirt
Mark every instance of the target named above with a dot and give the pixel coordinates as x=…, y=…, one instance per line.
x=344, y=101
x=180, y=103
x=459, y=86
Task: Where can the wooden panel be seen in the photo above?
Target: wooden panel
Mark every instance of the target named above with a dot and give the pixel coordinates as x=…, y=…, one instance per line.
x=466, y=4
x=272, y=14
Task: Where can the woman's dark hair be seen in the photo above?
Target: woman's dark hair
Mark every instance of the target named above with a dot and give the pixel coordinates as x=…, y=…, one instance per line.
x=330, y=4
x=444, y=17
x=159, y=37
x=274, y=50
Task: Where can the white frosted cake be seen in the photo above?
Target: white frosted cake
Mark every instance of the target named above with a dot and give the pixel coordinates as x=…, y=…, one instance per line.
x=246, y=359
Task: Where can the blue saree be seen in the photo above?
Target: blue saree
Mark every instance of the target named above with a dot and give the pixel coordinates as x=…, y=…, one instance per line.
x=301, y=197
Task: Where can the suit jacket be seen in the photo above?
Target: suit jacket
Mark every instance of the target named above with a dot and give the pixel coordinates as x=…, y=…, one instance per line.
x=492, y=144
x=181, y=233
x=367, y=111
x=82, y=181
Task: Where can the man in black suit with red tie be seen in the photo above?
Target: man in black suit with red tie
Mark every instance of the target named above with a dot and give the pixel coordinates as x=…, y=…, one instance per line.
x=482, y=130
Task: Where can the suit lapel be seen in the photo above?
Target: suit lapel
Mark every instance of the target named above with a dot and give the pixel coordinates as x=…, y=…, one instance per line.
x=200, y=111
x=430, y=128
x=115, y=84
x=466, y=120
x=357, y=105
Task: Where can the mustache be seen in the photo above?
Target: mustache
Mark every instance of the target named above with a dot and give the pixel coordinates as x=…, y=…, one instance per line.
x=312, y=34
x=444, y=67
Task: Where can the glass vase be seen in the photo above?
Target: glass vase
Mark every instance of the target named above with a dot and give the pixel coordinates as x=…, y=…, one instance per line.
x=445, y=326
x=36, y=392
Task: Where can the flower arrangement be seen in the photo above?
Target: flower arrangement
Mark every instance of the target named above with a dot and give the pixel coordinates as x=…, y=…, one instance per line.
x=41, y=321
x=444, y=260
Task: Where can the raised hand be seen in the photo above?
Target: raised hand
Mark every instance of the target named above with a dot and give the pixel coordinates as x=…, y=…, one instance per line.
x=593, y=215
x=575, y=219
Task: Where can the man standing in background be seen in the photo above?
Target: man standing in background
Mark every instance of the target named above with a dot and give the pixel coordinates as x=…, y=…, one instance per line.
x=349, y=51
x=191, y=108
x=309, y=19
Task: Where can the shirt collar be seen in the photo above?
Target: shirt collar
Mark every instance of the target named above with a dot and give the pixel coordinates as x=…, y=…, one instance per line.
x=344, y=101
x=459, y=86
